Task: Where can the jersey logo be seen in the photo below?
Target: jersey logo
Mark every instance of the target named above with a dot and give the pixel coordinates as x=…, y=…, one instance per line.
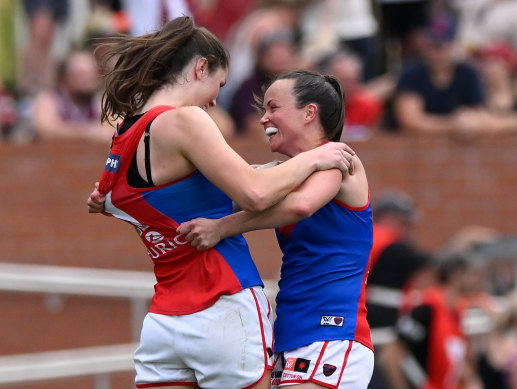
x=328, y=370
x=112, y=163
x=302, y=365
x=336, y=321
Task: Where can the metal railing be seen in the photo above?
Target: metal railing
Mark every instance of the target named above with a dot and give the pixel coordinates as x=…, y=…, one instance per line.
x=97, y=361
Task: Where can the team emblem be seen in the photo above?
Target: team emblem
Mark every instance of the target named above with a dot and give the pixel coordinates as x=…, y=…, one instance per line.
x=328, y=370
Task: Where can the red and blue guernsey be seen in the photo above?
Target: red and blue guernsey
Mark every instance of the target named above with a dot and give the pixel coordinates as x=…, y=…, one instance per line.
x=323, y=277
x=188, y=280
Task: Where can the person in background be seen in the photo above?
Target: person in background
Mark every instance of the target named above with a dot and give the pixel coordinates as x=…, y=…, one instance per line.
x=38, y=62
x=497, y=64
x=364, y=106
x=276, y=54
x=431, y=349
x=439, y=93
x=402, y=24
x=150, y=15
x=8, y=114
x=72, y=109
x=397, y=267
x=243, y=40
x=330, y=25
x=497, y=360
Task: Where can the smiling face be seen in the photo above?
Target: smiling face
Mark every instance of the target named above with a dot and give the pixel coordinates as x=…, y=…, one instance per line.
x=281, y=113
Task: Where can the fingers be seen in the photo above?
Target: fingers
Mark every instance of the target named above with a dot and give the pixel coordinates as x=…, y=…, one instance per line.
x=186, y=229
x=96, y=202
x=347, y=162
x=348, y=149
x=196, y=241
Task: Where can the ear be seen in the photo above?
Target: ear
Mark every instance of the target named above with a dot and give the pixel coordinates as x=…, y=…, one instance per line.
x=201, y=68
x=310, y=112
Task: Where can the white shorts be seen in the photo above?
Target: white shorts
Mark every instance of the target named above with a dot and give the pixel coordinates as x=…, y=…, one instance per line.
x=333, y=364
x=228, y=345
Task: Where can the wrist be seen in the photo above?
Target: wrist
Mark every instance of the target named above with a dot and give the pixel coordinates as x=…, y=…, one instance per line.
x=223, y=226
x=310, y=160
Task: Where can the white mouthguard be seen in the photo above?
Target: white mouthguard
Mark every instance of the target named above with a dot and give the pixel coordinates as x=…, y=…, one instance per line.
x=271, y=131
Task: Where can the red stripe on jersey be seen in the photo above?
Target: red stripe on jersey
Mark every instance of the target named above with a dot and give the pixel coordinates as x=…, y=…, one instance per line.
x=362, y=329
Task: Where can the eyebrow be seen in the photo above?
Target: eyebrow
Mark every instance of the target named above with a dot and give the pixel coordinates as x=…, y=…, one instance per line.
x=268, y=103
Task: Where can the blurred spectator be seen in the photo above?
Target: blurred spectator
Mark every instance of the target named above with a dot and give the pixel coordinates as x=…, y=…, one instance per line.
x=72, y=109
x=276, y=54
x=150, y=15
x=497, y=361
x=330, y=25
x=243, y=41
x=403, y=24
x=220, y=16
x=498, y=22
x=8, y=114
x=364, y=107
x=440, y=93
x=38, y=64
x=397, y=266
x=497, y=64
x=8, y=59
x=106, y=18
x=431, y=349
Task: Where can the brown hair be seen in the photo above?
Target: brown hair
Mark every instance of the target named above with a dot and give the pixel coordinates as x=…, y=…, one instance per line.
x=146, y=63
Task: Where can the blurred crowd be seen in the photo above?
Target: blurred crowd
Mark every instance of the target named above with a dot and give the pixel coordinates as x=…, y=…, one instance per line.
x=445, y=319
x=445, y=66
x=436, y=66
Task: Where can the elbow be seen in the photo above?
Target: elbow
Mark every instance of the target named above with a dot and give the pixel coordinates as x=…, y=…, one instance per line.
x=301, y=211
x=255, y=201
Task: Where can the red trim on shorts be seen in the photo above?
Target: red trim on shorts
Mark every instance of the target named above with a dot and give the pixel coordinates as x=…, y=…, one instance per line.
x=158, y=384
x=264, y=346
x=350, y=343
x=311, y=379
x=322, y=351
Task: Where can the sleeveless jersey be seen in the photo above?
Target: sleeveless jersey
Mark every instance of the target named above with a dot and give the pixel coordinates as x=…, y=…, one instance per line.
x=188, y=280
x=323, y=276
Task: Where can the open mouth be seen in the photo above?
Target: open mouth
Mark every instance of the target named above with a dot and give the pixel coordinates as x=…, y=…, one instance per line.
x=270, y=131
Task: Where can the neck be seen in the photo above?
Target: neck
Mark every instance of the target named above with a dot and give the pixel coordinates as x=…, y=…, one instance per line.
x=306, y=144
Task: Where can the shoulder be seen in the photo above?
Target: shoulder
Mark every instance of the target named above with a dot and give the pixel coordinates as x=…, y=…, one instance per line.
x=467, y=73
x=412, y=73
x=180, y=115
x=354, y=190
x=184, y=120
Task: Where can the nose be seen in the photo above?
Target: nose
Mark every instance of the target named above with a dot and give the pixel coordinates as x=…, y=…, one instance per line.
x=212, y=103
x=263, y=119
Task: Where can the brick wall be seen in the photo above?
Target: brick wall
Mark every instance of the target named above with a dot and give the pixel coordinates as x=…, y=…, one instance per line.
x=43, y=206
